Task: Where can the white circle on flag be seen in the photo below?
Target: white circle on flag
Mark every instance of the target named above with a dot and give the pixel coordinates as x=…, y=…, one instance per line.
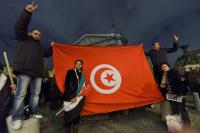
x=110, y=78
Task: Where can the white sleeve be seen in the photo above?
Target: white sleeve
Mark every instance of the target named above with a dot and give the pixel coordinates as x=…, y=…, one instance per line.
x=3, y=80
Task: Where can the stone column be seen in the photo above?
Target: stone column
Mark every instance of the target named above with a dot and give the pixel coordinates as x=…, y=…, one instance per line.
x=196, y=100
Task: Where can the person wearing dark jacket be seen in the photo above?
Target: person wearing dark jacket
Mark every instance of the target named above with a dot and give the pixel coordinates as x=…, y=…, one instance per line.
x=28, y=66
x=158, y=56
x=55, y=97
x=74, y=82
x=174, y=91
x=5, y=99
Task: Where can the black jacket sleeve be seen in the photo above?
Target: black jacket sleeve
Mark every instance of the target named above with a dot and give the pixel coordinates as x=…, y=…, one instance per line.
x=70, y=86
x=174, y=49
x=21, y=26
x=47, y=52
x=178, y=87
x=147, y=53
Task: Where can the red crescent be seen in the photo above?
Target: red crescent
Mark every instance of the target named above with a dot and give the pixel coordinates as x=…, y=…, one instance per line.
x=97, y=79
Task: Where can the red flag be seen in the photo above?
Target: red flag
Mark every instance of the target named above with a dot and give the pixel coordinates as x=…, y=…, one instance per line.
x=118, y=77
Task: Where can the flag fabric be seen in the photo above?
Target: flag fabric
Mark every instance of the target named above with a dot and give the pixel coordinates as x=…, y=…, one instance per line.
x=117, y=77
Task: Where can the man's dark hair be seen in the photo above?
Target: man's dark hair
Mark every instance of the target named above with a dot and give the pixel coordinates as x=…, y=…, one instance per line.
x=79, y=60
x=153, y=43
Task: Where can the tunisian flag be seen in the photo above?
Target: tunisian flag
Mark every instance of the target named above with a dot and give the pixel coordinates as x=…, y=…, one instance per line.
x=118, y=77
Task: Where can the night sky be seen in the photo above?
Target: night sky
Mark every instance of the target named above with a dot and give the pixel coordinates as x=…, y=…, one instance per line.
x=141, y=21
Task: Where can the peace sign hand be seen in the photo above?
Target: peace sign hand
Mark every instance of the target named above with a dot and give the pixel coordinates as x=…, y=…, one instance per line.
x=31, y=7
x=175, y=38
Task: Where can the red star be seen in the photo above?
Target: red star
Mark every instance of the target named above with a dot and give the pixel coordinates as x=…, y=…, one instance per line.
x=109, y=77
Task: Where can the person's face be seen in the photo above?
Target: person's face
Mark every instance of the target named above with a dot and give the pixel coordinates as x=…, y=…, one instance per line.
x=36, y=35
x=78, y=65
x=165, y=68
x=156, y=46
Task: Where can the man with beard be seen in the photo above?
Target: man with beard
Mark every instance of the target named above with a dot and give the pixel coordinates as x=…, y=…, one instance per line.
x=28, y=66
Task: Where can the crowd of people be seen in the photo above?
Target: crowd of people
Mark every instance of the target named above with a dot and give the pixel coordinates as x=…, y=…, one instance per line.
x=29, y=78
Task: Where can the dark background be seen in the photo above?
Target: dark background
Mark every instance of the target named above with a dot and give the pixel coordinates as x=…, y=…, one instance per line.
x=141, y=21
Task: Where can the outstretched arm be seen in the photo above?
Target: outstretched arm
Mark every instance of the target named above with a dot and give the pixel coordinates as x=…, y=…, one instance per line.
x=147, y=53
x=21, y=26
x=69, y=90
x=70, y=86
x=175, y=45
x=48, y=52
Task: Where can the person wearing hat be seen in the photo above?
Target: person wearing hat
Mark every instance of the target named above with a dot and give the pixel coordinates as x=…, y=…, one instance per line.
x=158, y=56
x=5, y=99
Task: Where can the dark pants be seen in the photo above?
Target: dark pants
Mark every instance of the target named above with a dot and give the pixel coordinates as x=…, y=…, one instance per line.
x=5, y=102
x=72, y=126
x=178, y=107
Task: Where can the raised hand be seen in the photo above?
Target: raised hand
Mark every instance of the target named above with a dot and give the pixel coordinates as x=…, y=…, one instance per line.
x=52, y=43
x=175, y=38
x=31, y=7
